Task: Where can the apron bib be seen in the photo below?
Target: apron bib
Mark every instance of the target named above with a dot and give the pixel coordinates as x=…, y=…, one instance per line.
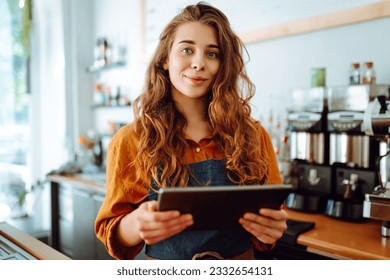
x=183, y=246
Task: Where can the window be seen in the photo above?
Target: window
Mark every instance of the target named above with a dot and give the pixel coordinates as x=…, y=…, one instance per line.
x=14, y=103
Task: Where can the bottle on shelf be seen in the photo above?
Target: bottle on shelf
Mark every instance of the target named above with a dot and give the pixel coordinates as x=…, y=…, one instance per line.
x=107, y=95
x=98, y=95
x=114, y=97
x=368, y=75
x=354, y=74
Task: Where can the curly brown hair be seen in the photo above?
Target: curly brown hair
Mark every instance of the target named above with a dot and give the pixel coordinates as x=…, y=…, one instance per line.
x=160, y=126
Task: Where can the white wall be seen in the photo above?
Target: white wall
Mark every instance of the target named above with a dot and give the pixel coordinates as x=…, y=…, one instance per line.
x=78, y=47
x=48, y=88
x=48, y=99
x=276, y=66
x=120, y=22
x=71, y=27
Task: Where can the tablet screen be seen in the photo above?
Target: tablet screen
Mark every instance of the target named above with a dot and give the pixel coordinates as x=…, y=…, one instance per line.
x=220, y=207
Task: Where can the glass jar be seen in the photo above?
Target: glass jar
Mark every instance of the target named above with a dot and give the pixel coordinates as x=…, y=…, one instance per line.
x=368, y=75
x=354, y=74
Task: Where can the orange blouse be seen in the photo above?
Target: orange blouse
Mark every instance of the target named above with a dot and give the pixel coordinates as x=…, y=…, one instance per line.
x=122, y=196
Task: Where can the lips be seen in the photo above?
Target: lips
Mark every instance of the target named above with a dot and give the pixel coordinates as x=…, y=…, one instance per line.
x=196, y=79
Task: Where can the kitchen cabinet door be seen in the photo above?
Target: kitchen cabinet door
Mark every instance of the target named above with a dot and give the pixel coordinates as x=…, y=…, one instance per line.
x=83, y=223
x=65, y=223
x=101, y=252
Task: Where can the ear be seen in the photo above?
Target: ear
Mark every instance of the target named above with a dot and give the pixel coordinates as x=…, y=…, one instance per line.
x=165, y=65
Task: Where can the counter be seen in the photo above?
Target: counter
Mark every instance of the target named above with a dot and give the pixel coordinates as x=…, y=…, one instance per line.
x=330, y=237
x=18, y=245
x=343, y=240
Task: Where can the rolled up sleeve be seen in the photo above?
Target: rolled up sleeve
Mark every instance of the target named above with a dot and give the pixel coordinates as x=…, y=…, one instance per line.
x=123, y=193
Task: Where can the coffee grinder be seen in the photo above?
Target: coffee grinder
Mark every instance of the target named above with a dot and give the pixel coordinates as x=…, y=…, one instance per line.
x=353, y=154
x=376, y=123
x=307, y=118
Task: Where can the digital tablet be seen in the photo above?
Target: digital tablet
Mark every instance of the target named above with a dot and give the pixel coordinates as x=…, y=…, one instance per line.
x=216, y=208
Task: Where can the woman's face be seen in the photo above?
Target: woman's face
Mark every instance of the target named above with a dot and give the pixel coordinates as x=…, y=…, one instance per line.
x=193, y=60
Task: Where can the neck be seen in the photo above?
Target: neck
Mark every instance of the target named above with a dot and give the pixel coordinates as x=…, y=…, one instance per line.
x=193, y=109
x=195, y=113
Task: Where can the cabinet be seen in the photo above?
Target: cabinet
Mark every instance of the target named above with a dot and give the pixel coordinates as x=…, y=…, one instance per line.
x=101, y=252
x=78, y=208
x=75, y=202
x=284, y=251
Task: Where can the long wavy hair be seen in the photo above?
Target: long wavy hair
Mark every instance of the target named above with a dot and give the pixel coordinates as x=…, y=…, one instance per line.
x=161, y=126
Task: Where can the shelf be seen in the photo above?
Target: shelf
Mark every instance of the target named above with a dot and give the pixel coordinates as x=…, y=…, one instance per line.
x=95, y=69
x=110, y=107
x=353, y=15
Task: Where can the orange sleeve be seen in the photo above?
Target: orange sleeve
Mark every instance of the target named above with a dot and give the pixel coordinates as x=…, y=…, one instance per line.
x=123, y=193
x=274, y=177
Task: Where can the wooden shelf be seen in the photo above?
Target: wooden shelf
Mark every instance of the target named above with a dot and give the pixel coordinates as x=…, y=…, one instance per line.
x=110, y=107
x=349, y=16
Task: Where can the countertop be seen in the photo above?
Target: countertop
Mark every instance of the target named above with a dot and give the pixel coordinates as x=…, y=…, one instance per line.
x=343, y=240
x=25, y=243
x=93, y=182
x=329, y=237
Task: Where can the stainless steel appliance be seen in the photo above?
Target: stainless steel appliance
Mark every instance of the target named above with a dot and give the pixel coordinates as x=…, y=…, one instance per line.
x=307, y=118
x=309, y=149
x=376, y=123
x=353, y=154
x=348, y=143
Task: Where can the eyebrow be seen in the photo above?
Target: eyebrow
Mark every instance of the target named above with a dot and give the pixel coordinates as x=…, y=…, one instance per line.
x=193, y=43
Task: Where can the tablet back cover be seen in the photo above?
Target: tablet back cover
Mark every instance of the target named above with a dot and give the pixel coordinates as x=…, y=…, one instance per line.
x=218, y=208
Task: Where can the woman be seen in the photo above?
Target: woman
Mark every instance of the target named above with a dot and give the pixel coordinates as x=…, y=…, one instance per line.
x=192, y=127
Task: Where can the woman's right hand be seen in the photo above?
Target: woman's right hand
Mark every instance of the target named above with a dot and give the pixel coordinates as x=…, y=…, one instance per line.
x=150, y=225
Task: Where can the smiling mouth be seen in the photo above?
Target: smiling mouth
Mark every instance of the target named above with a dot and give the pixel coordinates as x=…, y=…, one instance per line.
x=196, y=79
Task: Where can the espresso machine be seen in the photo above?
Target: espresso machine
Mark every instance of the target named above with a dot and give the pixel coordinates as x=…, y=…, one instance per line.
x=376, y=123
x=353, y=154
x=307, y=118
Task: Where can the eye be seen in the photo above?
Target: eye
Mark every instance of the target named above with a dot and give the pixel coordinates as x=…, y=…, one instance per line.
x=213, y=55
x=186, y=51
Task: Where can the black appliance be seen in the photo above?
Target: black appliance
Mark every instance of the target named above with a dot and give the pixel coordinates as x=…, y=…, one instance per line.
x=353, y=154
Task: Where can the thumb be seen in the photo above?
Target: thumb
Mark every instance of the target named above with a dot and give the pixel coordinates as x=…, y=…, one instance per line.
x=152, y=205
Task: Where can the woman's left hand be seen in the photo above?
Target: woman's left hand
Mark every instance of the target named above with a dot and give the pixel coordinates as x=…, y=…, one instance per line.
x=268, y=226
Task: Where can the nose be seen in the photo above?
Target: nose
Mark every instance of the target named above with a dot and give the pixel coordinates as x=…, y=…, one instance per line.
x=198, y=62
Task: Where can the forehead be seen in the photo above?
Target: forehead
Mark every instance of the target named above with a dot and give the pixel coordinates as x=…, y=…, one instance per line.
x=197, y=32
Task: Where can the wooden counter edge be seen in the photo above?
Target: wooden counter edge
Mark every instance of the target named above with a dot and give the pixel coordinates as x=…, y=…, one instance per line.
x=317, y=245
x=336, y=251
x=30, y=244
x=77, y=181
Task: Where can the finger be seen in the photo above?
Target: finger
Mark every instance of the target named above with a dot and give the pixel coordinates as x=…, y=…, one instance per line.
x=274, y=218
x=264, y=234
x=251, y=218
x=158, y=236
x=164, y=220
x=261, y=225
x=274, y=214
x=152, y=205
x=149, y=213
x=161, y=233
